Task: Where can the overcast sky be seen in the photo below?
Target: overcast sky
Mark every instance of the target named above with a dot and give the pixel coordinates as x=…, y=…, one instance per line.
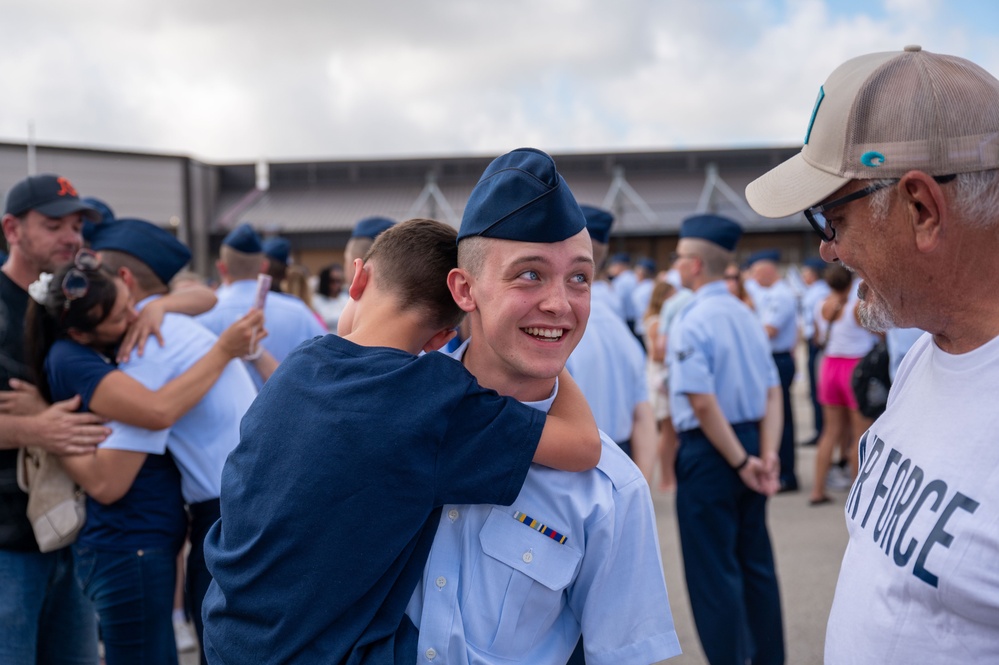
x=237, y=80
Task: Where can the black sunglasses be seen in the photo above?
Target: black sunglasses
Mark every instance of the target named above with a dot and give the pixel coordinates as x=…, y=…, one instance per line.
x=816, y=214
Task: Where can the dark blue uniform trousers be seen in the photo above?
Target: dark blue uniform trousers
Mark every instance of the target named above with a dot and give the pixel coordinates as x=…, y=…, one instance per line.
x=727, y=558
x=813, y=377
x=785, y=368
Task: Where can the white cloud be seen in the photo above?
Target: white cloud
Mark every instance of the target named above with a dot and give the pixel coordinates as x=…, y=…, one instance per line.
x=228, y=80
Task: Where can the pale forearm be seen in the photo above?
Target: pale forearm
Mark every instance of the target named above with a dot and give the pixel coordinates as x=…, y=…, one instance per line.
x=772, y=425
x=644, y=440
x=15, y=431
x=717, y=428
x=105, y=475
x=192, y=300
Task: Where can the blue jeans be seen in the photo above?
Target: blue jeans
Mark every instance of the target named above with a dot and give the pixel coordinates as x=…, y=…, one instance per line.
x=44, y=618
x=133, y=595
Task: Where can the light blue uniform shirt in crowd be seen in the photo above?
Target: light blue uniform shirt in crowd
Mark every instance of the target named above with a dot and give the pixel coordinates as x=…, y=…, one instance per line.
x=495, y=590
x=201, y=440
x=814, y=294
x=777, y=306
x=672, y=308
x=717, y=346
x=288, y=320
x=623, y=285
x=601, y=291
x=609, y=366
x=640, y=297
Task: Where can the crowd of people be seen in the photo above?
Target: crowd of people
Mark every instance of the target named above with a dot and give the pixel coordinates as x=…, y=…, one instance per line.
x=343, y=492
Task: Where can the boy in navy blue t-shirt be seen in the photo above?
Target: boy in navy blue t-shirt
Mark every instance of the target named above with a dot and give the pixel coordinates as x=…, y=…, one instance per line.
x=331, y=500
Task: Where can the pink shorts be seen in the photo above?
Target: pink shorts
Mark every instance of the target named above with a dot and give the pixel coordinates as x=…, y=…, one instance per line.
x=835, y=388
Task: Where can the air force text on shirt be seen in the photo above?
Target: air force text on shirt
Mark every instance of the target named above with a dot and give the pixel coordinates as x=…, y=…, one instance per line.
x=888, y=503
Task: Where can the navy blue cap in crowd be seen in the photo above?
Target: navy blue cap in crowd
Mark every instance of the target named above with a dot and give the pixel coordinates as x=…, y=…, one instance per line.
x=716, y=229
x=648, y=265
x=598, y=222
x=762, y=255
x=151, y=244
x=620, y=257
x=243, y=239
x=371, y=227
x=48, y=194
x=816, y=263
x=107, y=216
x=522, y=197
x=277, y=249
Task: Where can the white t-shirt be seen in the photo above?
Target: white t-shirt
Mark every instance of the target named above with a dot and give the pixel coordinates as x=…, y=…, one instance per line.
x=845, y=338
x=920, y=577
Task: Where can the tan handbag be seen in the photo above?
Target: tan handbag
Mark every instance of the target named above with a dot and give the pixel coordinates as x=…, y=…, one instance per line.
x=56, y=505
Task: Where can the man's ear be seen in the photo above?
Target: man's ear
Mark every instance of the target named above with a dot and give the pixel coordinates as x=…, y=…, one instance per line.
x=461, y=283
x=126, y=276
x=441, y=338
x=360, y=280
x=10, y=229
x=926, y=206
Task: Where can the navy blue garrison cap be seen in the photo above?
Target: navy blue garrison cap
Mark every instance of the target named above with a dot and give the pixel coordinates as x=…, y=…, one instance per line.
x=154, y=246
x=648, y=264
x=816, y=263
x=107, y=216
x=598, y=223
x=716, y=229
x=620, y=257
x=277, y=249
x=762, y=255
x=371, y=227
x=243, y=239
x=521, y=196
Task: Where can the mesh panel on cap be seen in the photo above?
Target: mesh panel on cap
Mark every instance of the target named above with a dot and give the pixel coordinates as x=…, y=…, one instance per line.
x=924, y=111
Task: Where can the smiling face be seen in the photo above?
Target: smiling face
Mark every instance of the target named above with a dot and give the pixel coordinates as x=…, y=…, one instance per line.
x=528, y=303
x=870, y=248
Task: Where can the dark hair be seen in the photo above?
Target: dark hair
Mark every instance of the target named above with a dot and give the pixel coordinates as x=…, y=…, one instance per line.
x=414, y=259
x=838, y=277
x=44, y=325
x=323, y=288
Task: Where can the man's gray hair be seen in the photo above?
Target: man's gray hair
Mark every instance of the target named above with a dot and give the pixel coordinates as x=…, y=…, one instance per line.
x=975, y=200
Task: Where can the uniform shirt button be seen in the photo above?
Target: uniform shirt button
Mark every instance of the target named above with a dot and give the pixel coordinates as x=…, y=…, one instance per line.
x=452, y=514
x=431, y=653
x=441, y=582
x=528, y=556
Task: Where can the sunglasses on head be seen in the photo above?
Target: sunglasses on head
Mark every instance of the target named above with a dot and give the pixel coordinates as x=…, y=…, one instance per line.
x=76, y=284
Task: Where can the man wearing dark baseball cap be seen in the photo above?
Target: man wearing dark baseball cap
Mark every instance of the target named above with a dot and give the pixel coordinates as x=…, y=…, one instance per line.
x=44, y=616
x=899, y=176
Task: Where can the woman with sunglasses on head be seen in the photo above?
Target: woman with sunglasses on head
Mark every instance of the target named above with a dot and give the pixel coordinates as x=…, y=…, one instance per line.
x=125, y=556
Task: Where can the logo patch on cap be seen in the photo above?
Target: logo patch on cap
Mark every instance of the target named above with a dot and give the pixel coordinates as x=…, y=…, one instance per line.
x=65, y=188
x=872, y=158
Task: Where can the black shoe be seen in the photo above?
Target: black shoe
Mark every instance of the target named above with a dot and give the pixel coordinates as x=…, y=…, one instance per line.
x=787, y=487
x=814, y=441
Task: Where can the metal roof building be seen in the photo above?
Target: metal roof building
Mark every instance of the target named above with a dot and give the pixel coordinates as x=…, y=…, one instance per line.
x=316, y=203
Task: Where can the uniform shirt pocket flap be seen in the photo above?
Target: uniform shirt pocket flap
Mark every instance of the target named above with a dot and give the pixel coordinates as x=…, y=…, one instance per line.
x=522, y=548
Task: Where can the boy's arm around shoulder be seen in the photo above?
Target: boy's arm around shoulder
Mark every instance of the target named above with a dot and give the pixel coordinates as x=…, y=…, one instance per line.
x=570, y=440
